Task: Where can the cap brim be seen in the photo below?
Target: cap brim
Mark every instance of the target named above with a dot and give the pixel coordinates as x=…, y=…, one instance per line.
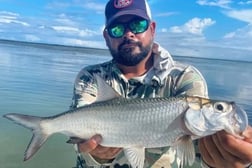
x=135, y=12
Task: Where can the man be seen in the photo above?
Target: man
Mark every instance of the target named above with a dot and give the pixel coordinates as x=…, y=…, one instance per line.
x=142, y=68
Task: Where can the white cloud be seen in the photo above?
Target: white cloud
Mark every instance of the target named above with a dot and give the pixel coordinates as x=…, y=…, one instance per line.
x=196, y=46
x=230, y=35
x=176, y=29
x=241, y=38
x=243, y=15
x=65, y=29
x=74, y=30
x=9, y=17
x=64, y=19
x=164, y=30
x=245, y=3
x=187, y=39
x=88, y=32
x=194, y=26
x=218, y=3
x=86, y=43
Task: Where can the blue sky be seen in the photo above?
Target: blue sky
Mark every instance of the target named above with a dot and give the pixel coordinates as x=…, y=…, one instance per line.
x=201, y=28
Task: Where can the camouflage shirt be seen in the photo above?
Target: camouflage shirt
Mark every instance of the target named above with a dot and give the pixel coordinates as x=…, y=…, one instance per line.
x=165, y=79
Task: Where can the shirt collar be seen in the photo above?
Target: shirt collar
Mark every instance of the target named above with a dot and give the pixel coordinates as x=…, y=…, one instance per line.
x=162, y=66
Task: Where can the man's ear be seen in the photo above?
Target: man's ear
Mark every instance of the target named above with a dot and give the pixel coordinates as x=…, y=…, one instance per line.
x=153, y=28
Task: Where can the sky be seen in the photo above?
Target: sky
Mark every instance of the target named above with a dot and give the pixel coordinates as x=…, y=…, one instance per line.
x=200, y=28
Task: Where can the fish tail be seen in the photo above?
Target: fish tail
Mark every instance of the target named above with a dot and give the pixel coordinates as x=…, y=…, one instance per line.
x=32, y=123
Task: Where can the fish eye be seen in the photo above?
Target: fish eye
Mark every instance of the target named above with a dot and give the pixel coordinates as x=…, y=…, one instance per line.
x=220, y=107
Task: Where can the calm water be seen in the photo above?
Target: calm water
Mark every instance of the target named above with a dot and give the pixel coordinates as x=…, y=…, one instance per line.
x=38, y=80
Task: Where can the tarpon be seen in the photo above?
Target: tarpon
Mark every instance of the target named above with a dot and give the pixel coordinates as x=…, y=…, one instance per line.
x=137, y=124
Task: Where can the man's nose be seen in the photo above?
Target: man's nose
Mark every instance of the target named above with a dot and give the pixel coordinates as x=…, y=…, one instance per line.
x=128, y=34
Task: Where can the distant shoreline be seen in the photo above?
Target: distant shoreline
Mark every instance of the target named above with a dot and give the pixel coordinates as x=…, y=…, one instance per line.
x=83, y=48
x=47, y=44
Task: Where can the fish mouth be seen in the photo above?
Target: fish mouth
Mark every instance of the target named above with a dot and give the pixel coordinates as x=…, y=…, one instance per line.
x=240, y=119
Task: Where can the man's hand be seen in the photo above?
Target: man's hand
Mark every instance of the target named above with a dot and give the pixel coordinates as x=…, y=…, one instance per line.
x=223, y=150
x=100, y=153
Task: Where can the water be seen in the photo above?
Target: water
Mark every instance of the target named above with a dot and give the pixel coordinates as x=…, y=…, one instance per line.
x=38, y=80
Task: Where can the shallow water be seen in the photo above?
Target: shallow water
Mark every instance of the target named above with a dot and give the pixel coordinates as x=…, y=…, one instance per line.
x=38, y=80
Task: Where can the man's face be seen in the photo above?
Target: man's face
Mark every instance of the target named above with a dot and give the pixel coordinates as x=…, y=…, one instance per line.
x=130, y=48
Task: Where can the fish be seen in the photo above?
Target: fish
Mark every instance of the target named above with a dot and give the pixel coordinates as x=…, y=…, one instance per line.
x=138, y=124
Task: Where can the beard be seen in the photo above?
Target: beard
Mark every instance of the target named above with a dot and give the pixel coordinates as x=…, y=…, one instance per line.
x=126, y=56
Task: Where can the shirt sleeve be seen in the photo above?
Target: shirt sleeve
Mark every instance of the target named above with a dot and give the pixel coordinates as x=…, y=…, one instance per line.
x=85, y=89
x=190, y=82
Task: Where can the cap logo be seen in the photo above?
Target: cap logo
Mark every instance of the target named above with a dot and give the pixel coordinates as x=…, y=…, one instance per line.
x=122, y=3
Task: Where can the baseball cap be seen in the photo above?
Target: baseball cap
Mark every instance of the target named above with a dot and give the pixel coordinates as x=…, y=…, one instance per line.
x=117, y=8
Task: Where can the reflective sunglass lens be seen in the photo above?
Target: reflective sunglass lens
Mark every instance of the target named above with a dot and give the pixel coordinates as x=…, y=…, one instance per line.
x=139, y=26
x=116, y=30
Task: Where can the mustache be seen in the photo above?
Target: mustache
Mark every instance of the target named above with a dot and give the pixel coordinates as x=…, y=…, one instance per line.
x=128, y=41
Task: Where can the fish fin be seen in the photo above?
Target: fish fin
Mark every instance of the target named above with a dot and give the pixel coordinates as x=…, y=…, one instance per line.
x=105, y=91
x=135, y=156
x=75, y=140
x=38, y=139
x=32, y=123
x=185, y=151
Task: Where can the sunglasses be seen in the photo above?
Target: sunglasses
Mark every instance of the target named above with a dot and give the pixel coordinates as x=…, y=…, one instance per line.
x=136, y=26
